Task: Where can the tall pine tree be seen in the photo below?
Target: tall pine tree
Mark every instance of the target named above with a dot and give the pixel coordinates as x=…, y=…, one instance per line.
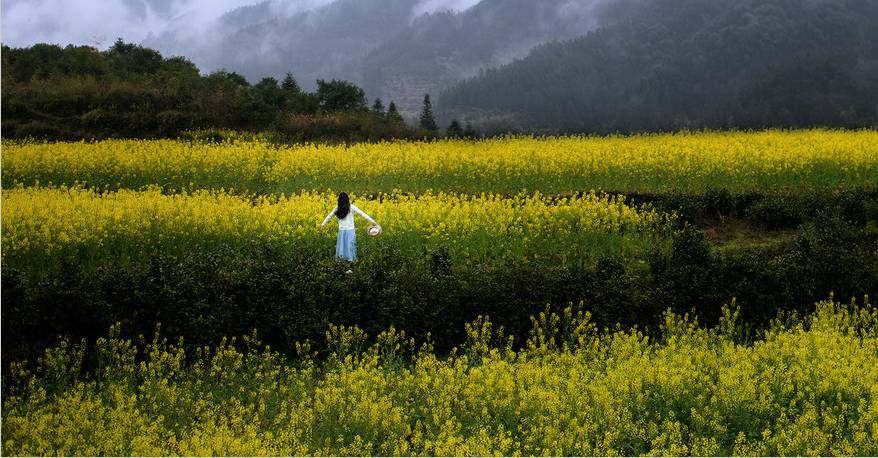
x=292, y=93
x=428, y=122
x=393, y=115
x=378, y=108
x=290, y=85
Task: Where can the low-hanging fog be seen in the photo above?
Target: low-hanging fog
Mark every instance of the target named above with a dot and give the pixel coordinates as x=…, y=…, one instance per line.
x=100, y=22
x=395, y=49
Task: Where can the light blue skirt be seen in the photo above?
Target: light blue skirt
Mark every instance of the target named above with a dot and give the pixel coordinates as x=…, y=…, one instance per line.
x=346, y=245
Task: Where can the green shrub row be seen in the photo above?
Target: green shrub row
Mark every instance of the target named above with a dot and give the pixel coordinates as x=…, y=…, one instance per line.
x=768, y=211
x=224, y=291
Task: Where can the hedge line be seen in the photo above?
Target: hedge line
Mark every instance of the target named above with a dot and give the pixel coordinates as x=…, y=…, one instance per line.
x=207, y=295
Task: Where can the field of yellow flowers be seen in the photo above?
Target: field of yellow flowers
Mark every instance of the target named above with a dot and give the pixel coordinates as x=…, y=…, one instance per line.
x=214, y=239
x=807, y=387
x=45, y=224
x=768, y=161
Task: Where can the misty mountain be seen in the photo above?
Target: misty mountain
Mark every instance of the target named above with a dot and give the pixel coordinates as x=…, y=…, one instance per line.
x=440, y=49
x=670, y=64
x=386, y=46
x=271, y=38
x=325, y=43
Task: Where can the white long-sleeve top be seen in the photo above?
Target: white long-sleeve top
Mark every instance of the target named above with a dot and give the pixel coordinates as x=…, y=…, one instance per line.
x=348, y=221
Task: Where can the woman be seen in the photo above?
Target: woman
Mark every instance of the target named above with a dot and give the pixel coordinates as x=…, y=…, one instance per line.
x=346, y=245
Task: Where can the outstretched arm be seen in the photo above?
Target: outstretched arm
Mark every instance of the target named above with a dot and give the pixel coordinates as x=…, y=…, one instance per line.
x=328, y=217
x=363, y=214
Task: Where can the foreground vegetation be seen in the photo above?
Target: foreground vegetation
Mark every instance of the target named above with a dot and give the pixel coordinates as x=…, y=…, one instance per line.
x=209, y=239
x=218, y=238
x=804, y=387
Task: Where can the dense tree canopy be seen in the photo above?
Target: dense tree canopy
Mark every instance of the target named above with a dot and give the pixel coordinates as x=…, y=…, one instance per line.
x=340, y=96
x=671, y=64
x=79, y=92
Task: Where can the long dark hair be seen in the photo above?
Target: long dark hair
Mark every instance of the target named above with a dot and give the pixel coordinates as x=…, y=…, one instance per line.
x=344, y=205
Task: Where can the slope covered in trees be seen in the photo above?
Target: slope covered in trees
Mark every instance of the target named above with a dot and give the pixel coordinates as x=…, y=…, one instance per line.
x=440, y=49
x=671, y=64
x=133, y=92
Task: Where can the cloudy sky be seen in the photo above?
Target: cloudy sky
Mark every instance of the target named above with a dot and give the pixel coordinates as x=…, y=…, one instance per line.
x=100, y=22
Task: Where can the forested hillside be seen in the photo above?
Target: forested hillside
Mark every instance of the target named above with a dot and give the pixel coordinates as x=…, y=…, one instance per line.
x=671, y=64
x=440, y=49
x=584, y=65
x=130, y=91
